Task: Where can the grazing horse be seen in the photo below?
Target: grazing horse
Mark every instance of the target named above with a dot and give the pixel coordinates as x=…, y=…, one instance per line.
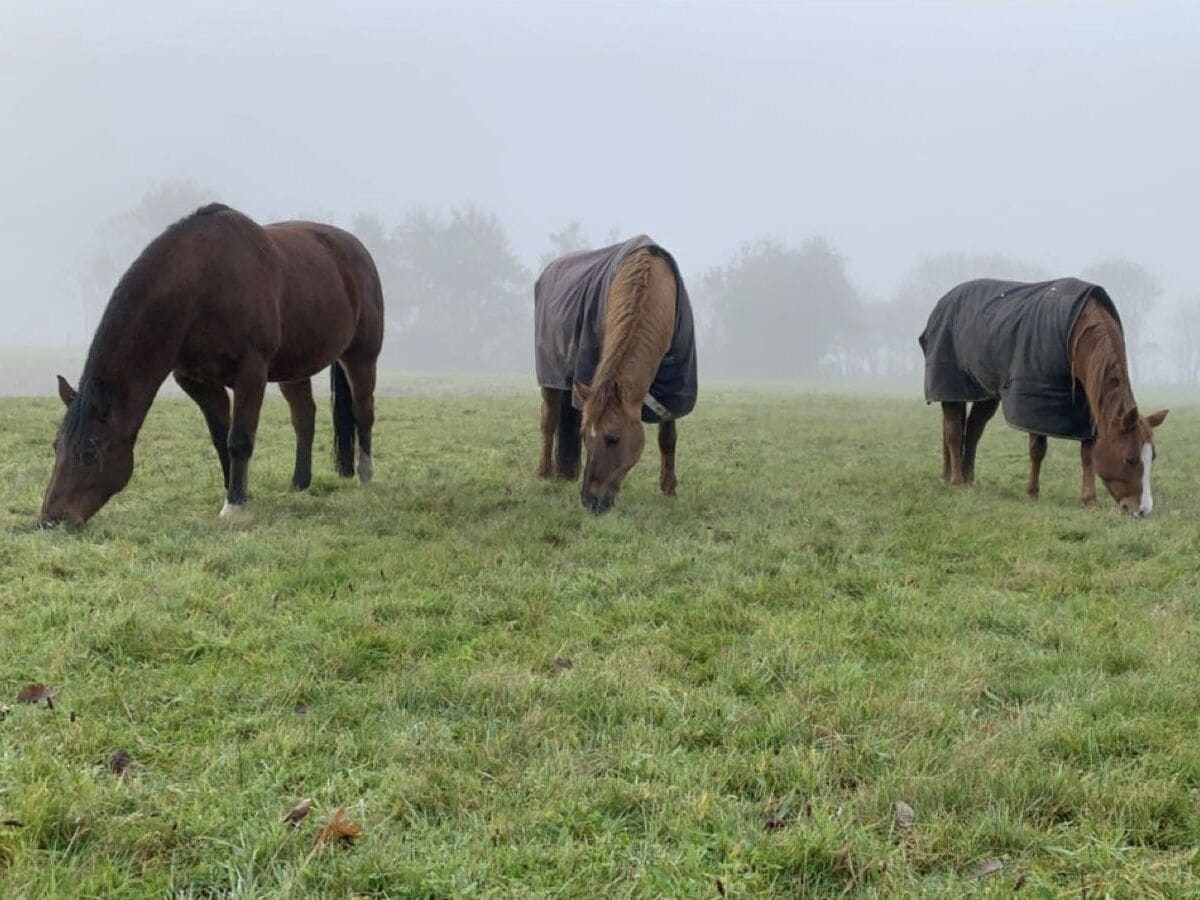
x=1053, y=355
x=219, y=301
x=615, y=347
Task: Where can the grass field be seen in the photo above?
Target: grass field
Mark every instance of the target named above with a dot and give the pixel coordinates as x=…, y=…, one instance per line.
x=724, y=694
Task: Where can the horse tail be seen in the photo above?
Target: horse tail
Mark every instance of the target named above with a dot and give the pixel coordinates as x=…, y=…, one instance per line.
x=569, y=446
x=343, y=421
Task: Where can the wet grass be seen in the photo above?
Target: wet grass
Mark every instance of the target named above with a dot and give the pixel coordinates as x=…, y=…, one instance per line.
x=727, y=692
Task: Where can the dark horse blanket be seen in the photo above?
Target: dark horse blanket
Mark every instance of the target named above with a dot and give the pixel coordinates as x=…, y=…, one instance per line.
x=1008, y=339
x=568, y=312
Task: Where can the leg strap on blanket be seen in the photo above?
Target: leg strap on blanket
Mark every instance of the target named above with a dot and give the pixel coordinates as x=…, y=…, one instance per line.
x=657, y=408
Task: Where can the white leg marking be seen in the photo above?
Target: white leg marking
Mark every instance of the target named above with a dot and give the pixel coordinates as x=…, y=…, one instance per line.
x=232, y=510
x=366, y=469
x=1147, y=506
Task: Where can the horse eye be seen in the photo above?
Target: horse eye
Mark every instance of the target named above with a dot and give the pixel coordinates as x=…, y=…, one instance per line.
x=611, y=440
x=1132, y=460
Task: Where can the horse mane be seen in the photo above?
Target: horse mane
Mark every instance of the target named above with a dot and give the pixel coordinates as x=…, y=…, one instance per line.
x=94, y=395
x=1099, y=363
x=92, y=399
x=626, y=319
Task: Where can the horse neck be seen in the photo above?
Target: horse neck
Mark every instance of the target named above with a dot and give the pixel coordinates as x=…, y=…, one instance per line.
x=134, y=350
x=1098, y=363
x=639, y=318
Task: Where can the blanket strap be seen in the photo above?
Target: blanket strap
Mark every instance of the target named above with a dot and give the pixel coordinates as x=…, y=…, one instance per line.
x=657, y=408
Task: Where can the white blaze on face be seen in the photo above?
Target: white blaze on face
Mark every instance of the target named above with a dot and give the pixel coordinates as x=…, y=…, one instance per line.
x=1147, y=505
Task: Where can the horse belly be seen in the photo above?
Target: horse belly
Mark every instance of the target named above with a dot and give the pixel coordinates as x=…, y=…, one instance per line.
x=308, y=344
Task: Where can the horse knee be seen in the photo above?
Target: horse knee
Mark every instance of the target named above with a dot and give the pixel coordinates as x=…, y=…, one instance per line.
x=241, y=444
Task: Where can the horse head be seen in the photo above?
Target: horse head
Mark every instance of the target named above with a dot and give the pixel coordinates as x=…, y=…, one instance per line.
x=1123, y=456
x=613, y=435
x=92, y=459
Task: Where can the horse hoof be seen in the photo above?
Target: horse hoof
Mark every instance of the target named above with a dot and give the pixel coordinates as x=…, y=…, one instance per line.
x=234, y=513
x=366, y=468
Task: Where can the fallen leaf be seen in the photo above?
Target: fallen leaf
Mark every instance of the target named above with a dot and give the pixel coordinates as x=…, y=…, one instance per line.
x=298, y=812
x=774, y=823
x=36, y=693
x=562, y=662
x=1019, y=883
x=340, y=827
x=905, y=814
x=720, y=886
x=118, y=762
x=987, y=867
x=13, y=823
x=808, y=808
x=4, y=711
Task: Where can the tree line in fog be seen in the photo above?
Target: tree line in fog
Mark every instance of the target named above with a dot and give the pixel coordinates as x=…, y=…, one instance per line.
x=459, y=297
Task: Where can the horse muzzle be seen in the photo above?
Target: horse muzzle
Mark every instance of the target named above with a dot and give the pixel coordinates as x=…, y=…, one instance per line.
x=599, y=503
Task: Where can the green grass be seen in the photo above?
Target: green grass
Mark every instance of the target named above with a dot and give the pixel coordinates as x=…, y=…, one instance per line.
x=814, y=629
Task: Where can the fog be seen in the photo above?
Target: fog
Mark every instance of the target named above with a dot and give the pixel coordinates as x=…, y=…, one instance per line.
x=821, y=171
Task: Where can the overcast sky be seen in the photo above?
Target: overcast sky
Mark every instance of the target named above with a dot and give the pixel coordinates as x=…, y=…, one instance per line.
x=1061, y=133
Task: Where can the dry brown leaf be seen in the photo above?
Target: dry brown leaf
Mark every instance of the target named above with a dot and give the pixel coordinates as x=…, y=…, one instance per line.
x=36, y=693
x=563, y=662
x=987, y=867
x=905, y=814
x=774, y=823
x=340, y=827
x=118, y=762
x=13, y=823
x=298, y=812
x=720, y=886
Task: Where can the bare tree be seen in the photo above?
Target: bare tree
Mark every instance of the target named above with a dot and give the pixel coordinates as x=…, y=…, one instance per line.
x=1186, y=335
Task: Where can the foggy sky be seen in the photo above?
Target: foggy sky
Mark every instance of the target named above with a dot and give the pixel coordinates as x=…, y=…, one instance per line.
x=1060, y=133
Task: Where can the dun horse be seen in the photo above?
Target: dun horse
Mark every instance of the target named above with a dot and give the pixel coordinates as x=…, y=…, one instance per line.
x=1053, y=355
x=615, y=347
x=221, y=302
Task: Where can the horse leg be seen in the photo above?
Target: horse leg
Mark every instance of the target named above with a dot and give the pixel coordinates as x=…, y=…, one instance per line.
x=666, y=449
x=551, y=412
x=981, y=412
x=1087, y=493
x=213, y=400
x=361, y=375
x=954, y=418
x=248, y=388
x=569, y=447
x=304, y=417
x=1037, y=452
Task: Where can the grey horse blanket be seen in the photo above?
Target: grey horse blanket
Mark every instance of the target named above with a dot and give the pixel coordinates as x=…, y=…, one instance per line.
x=1008, y=339
x=568, y=312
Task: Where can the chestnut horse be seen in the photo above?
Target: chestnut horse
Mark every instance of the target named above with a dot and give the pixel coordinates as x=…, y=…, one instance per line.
x=645, y=370
x=221, y=302
x=1118, y=443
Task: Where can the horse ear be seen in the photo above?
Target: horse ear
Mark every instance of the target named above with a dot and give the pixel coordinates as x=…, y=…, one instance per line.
x=1130, y=419
x=583, y=391
x=1156, y=418
x=65, y=392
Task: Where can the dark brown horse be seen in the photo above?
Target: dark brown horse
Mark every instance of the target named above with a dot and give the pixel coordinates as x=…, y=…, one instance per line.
x=221, y=302
x=1054, y=355
x=615, y=325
